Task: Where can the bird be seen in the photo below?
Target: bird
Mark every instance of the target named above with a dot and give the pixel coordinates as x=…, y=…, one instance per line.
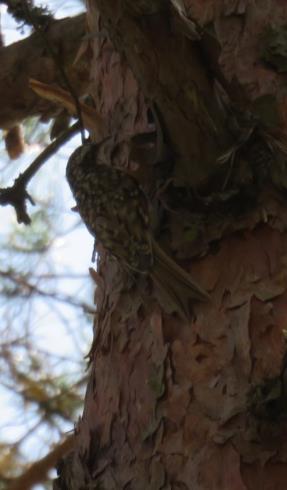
x=116, y=211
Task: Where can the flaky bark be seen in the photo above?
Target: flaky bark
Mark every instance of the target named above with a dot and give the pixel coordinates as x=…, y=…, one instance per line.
x=31, y=58
x=170, y=404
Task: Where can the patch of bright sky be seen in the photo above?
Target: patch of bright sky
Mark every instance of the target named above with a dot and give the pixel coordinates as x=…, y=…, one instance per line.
x=71, y=252
x=59, y=9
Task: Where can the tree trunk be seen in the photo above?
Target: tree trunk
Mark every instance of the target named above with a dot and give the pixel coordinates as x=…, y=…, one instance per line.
x=200, y=405
x=32, y=58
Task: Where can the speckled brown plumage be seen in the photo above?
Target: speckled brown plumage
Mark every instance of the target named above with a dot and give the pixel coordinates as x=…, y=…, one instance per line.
x=116, y=212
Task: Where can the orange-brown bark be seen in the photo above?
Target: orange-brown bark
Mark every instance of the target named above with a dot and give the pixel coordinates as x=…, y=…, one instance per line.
x=169, y=404
x=31, y=58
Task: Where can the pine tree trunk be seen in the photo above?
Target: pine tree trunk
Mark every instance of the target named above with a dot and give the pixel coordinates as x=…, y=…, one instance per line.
x=199, y=404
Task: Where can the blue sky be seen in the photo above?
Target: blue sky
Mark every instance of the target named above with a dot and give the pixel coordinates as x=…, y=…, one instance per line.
x=56, y=328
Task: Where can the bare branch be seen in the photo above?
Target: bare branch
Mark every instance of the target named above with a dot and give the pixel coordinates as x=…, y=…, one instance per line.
x=38, y=471
x=17, y=195
x=33, y=17
x=26, y=288
x=29, y=59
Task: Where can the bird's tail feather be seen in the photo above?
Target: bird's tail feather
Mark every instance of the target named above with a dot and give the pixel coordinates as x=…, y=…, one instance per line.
x=175, y=282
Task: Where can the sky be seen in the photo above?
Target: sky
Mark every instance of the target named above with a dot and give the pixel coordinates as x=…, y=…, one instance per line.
x=55, y=325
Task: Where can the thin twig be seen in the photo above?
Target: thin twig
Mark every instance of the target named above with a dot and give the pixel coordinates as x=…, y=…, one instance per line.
x=22, y=283
x=17, y=195
x=47, y=153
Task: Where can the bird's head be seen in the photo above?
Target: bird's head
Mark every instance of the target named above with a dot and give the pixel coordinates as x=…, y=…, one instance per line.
x=83, y=157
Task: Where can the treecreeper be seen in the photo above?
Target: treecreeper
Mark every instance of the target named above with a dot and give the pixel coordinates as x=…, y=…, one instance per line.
x=115, y=209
